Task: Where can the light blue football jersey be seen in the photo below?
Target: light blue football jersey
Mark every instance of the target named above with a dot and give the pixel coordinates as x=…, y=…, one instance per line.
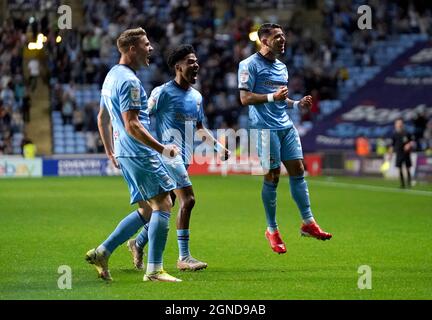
x=260, y=75
x=177, y=112
x=123, y=91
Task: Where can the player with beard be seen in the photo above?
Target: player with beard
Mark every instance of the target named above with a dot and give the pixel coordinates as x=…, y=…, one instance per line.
x=263, y=84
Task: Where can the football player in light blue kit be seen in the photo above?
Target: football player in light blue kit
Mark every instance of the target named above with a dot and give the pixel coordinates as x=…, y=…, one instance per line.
x=263, y=81
x=178, y=110
x=123, y=124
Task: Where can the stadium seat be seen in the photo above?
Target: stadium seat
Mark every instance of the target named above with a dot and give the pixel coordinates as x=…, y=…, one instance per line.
x=58, y=134
x=81, y=149
x=68, y=128
x=70, y=149
x=69, y=134
x=80, y=141
x=59, y=149
x=69, y=142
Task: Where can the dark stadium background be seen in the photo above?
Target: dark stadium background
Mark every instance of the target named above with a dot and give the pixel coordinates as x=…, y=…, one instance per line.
x=327, y=55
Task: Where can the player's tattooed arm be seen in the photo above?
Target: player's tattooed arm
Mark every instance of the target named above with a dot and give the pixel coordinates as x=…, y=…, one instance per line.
x=139, y=132
x=250, y=98
x=105, y=131
x=305, y=102
x=210, y=140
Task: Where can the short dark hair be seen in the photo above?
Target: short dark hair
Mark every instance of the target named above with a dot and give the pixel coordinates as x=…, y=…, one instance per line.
x=266, y=28
x=179, y=53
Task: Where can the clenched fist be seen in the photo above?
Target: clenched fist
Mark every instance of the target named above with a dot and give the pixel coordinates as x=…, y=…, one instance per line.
x=281, y=94
x=306, y=102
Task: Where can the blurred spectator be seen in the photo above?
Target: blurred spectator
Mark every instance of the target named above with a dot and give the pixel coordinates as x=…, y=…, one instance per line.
x=19, y=90
x=90, y=71
x=92, y=141
x=26, y=105
x=6, y=143
x=362, y=146
x=5, y=121
x=315, y=108
x=315, y=64
x=420, y=123
x=67, y=109
x=33, y=67
x=380, y=146
x=7, y=95
x=428, y=137
x=14, y=111
x=90, y=121
x=105, y=47
x=17, y=123
x=16, y=62
x=29, y=148
x=78, y=119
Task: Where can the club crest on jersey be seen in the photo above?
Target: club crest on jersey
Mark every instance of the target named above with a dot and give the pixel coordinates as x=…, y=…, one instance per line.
x=116, y=135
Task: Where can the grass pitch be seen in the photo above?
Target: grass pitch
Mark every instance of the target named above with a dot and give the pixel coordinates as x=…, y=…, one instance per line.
x=49, y=222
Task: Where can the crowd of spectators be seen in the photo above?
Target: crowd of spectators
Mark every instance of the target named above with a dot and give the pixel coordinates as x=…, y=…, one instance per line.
x=390, y=19
x=87, y=51
x=313, y=62
x=14, y=93
x=221, y=42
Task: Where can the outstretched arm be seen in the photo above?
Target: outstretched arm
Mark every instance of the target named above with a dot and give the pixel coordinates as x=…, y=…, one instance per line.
x=210, y=140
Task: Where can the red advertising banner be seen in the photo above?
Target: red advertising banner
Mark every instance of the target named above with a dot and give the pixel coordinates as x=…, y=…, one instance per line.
x=246, y=166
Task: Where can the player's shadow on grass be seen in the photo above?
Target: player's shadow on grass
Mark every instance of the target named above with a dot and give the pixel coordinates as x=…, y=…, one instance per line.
x=130, y=270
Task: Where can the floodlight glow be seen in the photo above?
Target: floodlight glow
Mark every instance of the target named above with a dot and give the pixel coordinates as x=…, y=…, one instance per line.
x=253, y=36
x=38, y=45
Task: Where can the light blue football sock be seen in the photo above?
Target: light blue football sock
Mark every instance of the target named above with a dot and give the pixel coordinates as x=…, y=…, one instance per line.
x=300, y=194
x=183, y=243
x=142, y=238
x=157, y=235
x=124, y=230
x=268, y=195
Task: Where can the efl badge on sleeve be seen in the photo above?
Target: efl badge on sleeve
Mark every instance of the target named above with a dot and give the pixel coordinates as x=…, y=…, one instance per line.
x=244, y=76
x=135, y=96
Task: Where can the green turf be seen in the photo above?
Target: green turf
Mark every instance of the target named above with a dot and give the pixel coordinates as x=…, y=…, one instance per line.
x=45, y=223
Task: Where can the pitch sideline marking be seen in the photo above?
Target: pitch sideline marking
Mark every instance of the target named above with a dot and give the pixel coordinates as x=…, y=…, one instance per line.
x=370, y=188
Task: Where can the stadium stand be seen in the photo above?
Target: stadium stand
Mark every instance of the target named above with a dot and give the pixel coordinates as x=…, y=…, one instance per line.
x=14, y=96
x=331, y=65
